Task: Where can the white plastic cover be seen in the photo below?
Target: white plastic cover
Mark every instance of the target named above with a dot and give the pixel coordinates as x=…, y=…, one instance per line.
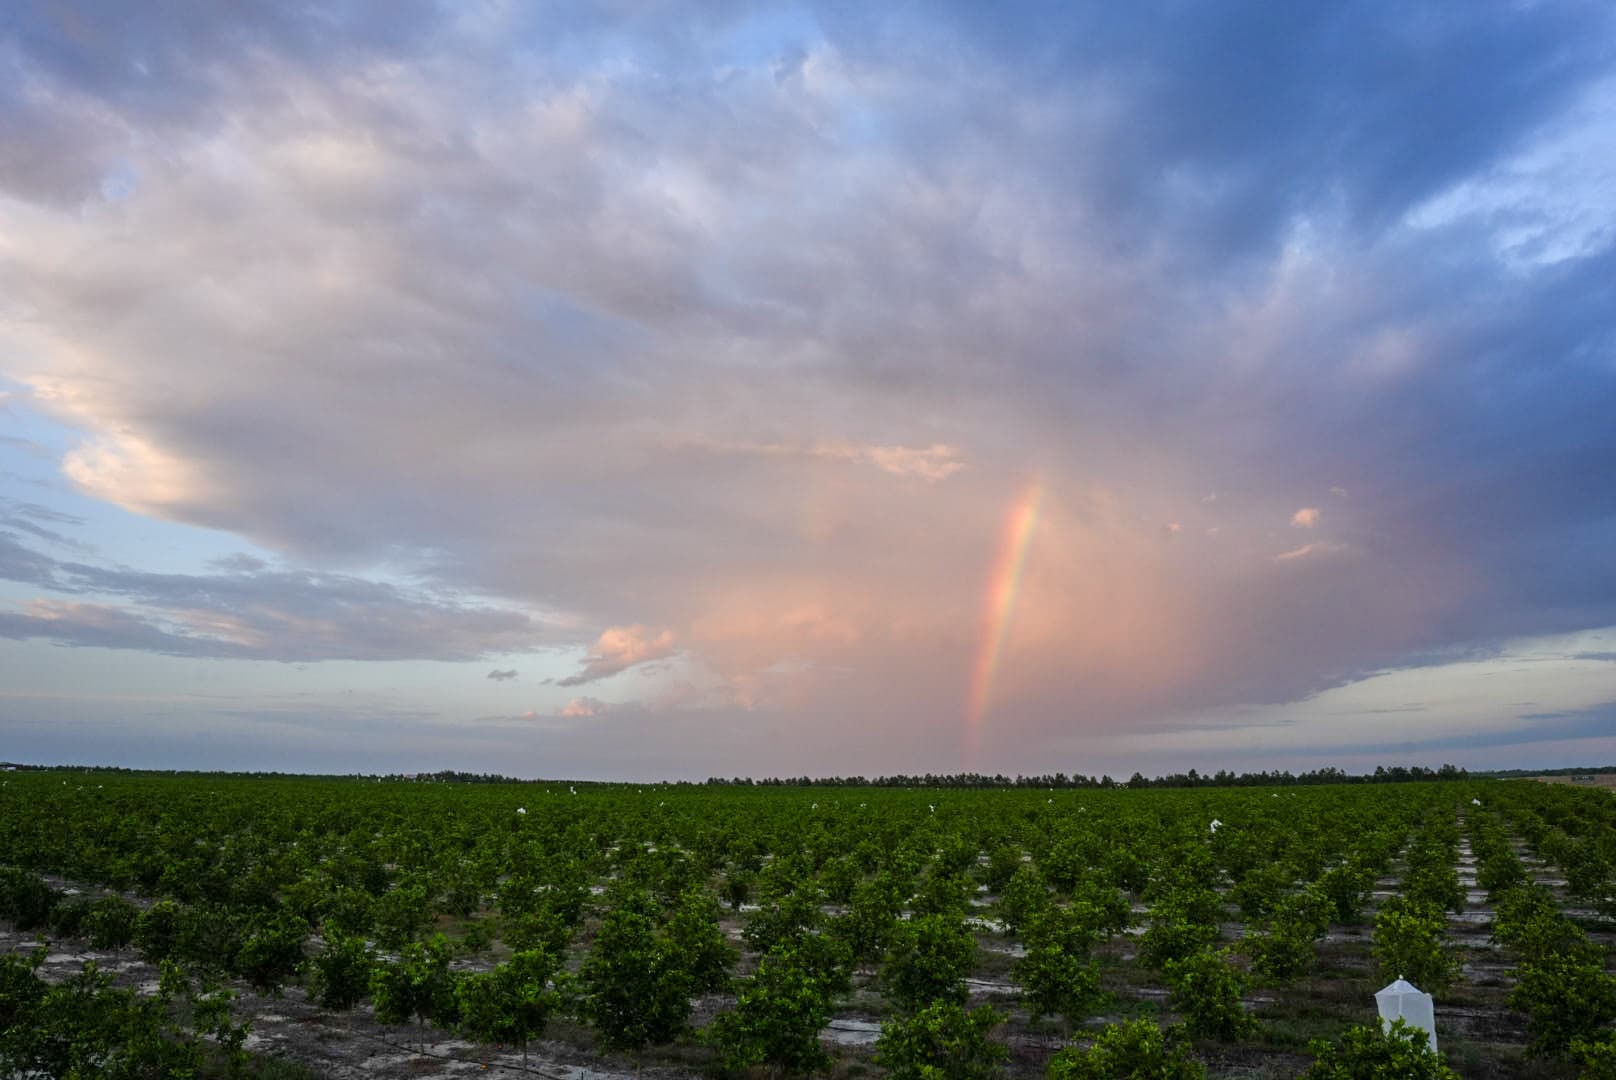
x=1402, y=999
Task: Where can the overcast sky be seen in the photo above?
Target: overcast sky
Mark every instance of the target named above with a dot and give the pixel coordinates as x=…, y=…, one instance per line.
x=680, y=389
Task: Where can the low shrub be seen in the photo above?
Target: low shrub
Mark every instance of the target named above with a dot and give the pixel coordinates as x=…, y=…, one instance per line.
x=1410, y=943
x=1372, y=1053
x=1135, y=1050
x=1565, y=998
x=941, y=1042
x=1207, y=989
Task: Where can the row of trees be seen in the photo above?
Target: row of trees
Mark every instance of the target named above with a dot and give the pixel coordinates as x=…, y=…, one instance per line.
x=1561, y=984
x=836, y=885
x=1060, y=780
x=84, y=1026
x=1410, y=940
x=1397, y=774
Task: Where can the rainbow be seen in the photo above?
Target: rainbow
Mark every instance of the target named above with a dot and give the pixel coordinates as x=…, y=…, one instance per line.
x=999, y=605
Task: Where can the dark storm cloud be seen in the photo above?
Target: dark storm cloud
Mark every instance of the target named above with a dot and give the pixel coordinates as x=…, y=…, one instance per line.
x=1220, y=124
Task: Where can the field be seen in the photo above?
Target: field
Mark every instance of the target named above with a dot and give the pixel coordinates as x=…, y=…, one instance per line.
x=351, y=928
x=1598, y=780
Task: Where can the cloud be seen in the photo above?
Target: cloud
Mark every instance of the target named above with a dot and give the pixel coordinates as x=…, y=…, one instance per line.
x=254, y=613
x=20, y=563
x=502, y=676
x=619, y=648
x=1306, y=518
x=24, y=517
x=27, y=446
x=935, y=462
x=1316, y=550
x=132, y=472
x=584, y=707
x=931, y=463
x=1514, y=696
x=35, y=512
x=239, y=562
x=717, y=333
x=109, y=627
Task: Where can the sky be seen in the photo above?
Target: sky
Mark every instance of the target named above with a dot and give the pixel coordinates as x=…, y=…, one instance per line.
x=677, y=389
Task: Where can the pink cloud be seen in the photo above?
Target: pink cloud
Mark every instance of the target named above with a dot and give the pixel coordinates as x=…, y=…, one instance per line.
x=619, y=648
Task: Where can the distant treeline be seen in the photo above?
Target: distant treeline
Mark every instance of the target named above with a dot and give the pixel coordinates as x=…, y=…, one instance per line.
x=1584, y=770
x=1396, y=774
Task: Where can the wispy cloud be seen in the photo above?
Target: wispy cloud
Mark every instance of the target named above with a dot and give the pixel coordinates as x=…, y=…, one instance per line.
x=254, y=613
x=34, y=520
x=27, y=446
x=936, y=462
x=1317, y=550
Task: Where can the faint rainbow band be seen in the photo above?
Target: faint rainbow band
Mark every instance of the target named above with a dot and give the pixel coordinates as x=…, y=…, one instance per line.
x=999, y=606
